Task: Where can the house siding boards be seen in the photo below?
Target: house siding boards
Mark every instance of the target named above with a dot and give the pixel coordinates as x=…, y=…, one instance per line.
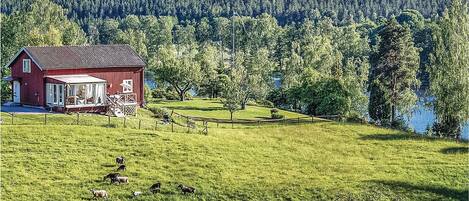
x=32, y=84
x=33, y=91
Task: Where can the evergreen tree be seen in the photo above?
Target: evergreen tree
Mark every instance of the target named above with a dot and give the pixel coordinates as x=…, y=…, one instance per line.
x=396, y=68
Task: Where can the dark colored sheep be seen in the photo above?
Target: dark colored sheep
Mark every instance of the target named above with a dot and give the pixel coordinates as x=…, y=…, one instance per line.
x=186, y=189
x=121, y=168
x=155, y=188
x=120, y=160
x=110, y=176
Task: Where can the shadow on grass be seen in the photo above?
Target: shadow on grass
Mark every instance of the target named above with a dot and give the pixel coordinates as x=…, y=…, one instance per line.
x=455, y=150
x=415, y=189
x=195, y=108
x=108, y=165
x=396, y=137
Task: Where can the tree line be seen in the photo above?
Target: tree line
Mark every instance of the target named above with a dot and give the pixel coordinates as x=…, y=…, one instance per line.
x=284, y=11
x=320, y=67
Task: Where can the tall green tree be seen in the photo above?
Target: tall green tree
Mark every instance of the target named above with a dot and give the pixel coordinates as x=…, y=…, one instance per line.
x=178, y=67
x=449, y=72
x=396, y=69
x=210, y=65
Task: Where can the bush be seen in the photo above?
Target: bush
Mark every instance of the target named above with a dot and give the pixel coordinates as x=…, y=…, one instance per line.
x=158, y=112
x=275, y=115
x=355, y=118
x=168, y=94
x=327, y=97
x=400, y=124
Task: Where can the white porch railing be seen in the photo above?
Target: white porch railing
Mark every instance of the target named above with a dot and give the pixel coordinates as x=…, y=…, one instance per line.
x=122, y=104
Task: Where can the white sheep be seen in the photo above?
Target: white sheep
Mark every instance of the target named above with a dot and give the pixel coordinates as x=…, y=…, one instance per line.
x=136, y=193
x=99, y=193
x=120, y=179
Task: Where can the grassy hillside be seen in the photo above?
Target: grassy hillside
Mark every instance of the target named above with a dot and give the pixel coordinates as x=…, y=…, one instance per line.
x=304, y=162
x=214, y=109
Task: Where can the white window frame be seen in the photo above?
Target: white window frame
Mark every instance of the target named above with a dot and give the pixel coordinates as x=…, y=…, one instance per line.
x=124, y=83
x=55, y=94
x=27, y=68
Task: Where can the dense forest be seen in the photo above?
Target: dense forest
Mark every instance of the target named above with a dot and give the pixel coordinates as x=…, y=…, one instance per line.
x=285, y=11
x=354, y=58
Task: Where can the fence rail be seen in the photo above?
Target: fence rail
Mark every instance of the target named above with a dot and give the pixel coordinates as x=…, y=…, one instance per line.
x=88, y=119
x=176, y=123
x=258, y=122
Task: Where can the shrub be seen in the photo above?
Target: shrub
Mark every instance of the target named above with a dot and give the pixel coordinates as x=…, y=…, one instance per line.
x=168, y=94
x=275, y=115
x=355, y=118
x=158, y=112
x=400, y=124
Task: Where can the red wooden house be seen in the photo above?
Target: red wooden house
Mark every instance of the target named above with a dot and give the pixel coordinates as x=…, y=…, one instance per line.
x=94, y=78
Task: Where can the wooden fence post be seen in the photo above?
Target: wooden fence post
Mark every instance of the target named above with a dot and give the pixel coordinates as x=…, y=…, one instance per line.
x=109, y=120
x=12, y=117
x=217, y=123
x=298, y=119
x=187, y=122
x=124, y=121
x=258, y=122
x=78, y=118
x=312, y=118
x=156, y=124
x=172, y=126
x=139, y=124
x=206, y=127
x=232, y=126
x=45, y=119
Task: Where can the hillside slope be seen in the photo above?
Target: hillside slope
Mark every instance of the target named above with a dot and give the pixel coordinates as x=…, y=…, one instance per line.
x=317, y=161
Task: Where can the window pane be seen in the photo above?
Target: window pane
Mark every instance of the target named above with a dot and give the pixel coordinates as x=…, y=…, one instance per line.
x=61, y=95
x=99, y=93
x=49, y=93
x=81, y=94
x=55, y=93
x=71, y=98
x=90, y=91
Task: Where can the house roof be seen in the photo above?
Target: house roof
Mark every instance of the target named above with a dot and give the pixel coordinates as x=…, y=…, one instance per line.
x=76, y=79
x=90, y=56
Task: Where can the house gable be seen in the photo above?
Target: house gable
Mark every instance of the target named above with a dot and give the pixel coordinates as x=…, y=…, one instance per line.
x=15, y=59
x=31, y=83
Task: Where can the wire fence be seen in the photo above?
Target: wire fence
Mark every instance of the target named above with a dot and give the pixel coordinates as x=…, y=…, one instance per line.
x=89, y=119
x=175, y=122
x=235, y=123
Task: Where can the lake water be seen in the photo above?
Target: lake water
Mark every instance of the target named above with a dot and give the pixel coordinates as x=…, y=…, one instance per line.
x=424, y=117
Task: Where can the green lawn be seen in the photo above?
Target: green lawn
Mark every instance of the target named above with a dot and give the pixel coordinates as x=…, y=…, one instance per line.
x=318, y=161
x=214, y=109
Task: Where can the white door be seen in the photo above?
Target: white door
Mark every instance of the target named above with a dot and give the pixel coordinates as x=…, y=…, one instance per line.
x=16, y=92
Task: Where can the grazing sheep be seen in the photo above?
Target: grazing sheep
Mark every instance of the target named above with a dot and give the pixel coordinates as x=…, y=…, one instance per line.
x=136, y=193
x=155, y=188
x=121, y=168
x=120, y=180
x=99, y=193
x=186, y=189
x=120, y=160
x=110, y=176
